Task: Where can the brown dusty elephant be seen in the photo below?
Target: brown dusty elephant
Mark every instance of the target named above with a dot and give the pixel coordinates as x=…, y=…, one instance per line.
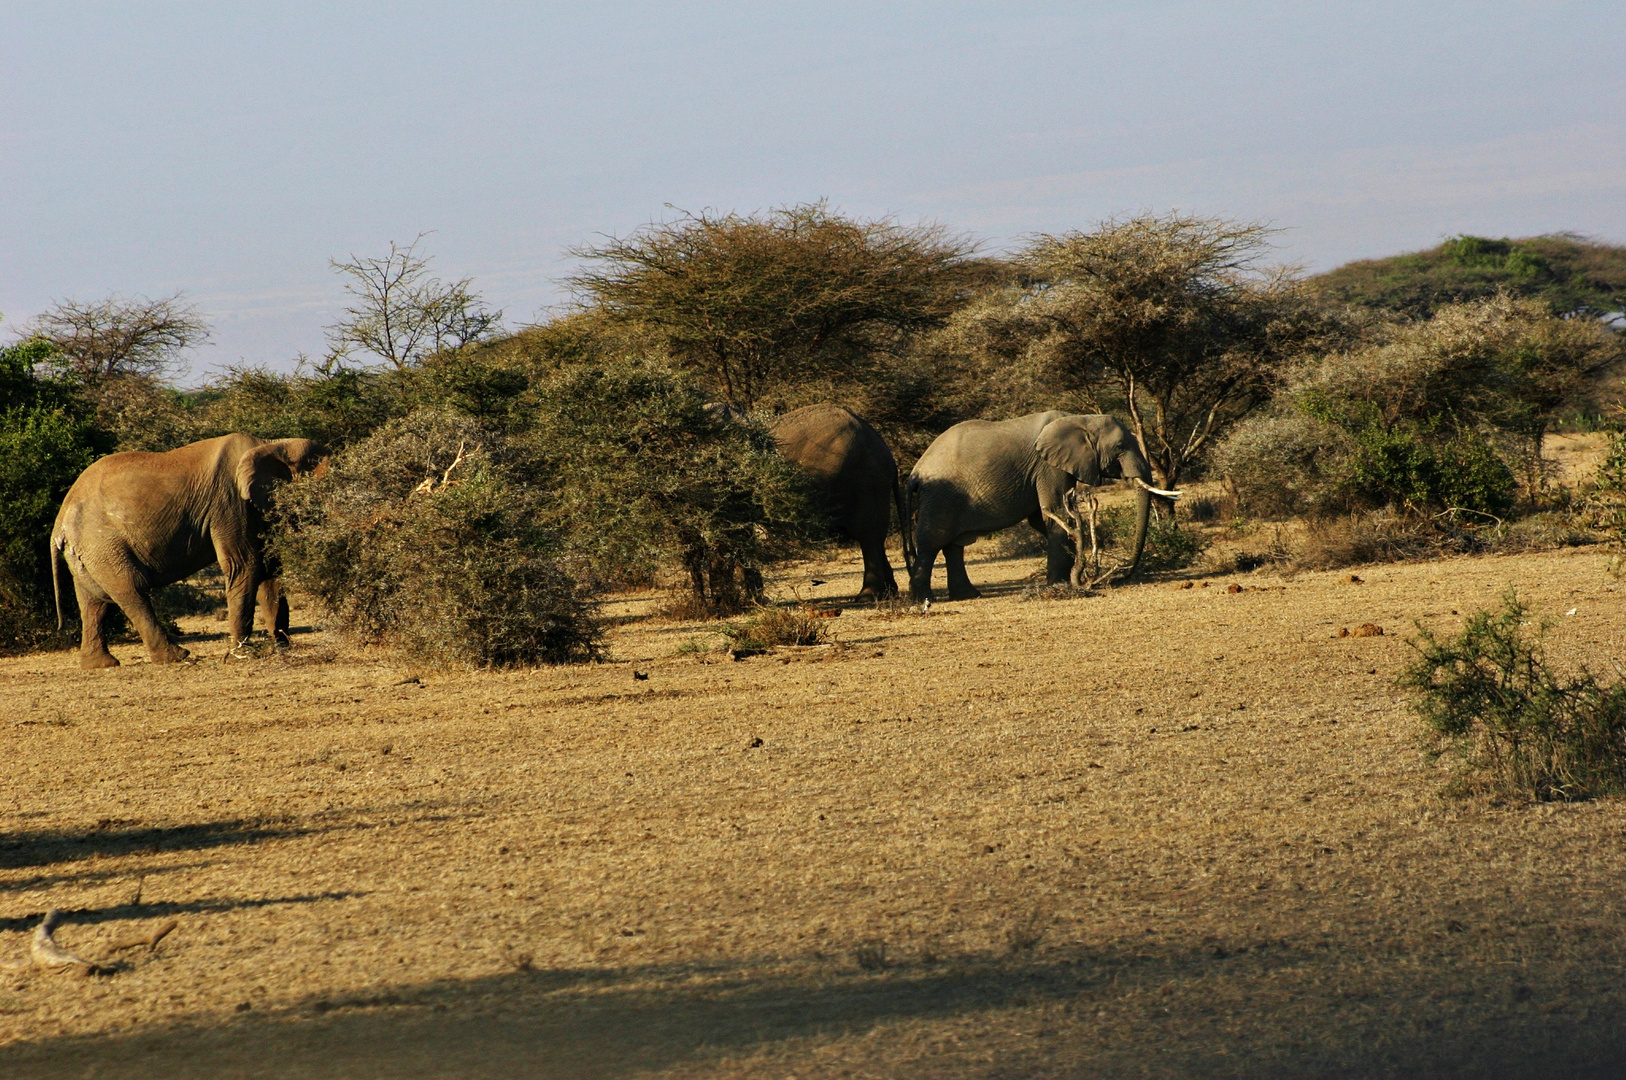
x=134, y=522
x=981, y=476
x=854, y=466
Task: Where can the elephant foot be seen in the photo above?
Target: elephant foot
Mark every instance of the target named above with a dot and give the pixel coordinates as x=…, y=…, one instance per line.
x=967, y=593
x=95, y=660
x=172, y=655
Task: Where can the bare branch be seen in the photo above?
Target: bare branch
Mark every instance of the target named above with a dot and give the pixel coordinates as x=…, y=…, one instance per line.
x=402, y=315
x=122, y=335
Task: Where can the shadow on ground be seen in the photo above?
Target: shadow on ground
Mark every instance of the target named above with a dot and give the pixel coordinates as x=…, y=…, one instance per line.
x=46, y=847
x=1149, y=1014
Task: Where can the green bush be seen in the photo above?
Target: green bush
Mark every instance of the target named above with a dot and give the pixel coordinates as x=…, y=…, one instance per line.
x=1516, y=727
x=425, y=538
x=1421, y=466
x=337, y=407
x=641, y=476
x=1169, y=545
x=47, y=438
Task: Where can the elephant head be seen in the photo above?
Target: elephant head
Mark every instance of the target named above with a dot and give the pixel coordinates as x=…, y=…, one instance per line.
x=1094, y=448
x=271, y=463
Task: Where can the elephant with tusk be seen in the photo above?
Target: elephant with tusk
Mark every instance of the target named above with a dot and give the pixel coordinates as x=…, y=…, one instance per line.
x=981, y=476
x=135, y=521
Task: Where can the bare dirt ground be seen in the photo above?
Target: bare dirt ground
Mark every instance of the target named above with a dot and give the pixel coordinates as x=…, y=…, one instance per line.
x=1163, y=832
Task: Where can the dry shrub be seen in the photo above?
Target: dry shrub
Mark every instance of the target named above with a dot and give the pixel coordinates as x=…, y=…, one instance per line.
x=1281, y=464
x=898, y=607
x=1394, y=536
x=423, y=538
x=1539, y=532
x=642, y=477
x=1206, y=509
x=798, y=624
x=870, y=955
x=1381, y=536
x=1515, y=726
x=1062, y=590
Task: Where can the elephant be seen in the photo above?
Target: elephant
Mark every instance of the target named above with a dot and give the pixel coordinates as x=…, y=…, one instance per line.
x=981, y=476
x=135, y=521
x=859, y=477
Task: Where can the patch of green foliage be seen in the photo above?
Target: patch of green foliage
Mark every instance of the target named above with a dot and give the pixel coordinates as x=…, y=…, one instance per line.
x=47, y=437
x=1516, y=727
x=1417, y=463
x=1568, y=274
x=1429, y=416
x=640, y=474
x=1169, y=544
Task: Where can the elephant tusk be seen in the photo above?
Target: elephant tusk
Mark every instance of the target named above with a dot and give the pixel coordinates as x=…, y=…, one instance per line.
x=1157, y=491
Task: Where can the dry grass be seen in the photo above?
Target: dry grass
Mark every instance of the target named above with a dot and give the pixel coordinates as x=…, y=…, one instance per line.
x=1166, y=832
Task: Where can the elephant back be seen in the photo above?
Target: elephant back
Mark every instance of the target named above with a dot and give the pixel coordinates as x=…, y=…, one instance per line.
x=830, y=441
x=847, y=456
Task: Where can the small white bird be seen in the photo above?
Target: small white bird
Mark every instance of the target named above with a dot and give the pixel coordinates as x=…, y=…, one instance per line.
x=925, y=607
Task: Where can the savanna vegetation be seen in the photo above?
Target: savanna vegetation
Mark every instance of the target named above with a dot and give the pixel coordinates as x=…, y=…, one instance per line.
x=1181, y=829
x=1406, y=402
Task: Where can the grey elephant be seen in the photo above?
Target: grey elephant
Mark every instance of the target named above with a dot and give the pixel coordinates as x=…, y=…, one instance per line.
x=135, y=521
x=981, y=476
x=859, y=476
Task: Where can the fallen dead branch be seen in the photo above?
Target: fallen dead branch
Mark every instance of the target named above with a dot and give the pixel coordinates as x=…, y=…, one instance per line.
x=148, y=940
x=44, y=951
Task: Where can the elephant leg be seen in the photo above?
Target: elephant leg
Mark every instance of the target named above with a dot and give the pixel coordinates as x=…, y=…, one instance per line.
x=959, y=585
x=240, y=590
x=879, y=581
x=1059, y=557
x=138, y=609
x=92, y=629
x=920, y=582
x=275, y=606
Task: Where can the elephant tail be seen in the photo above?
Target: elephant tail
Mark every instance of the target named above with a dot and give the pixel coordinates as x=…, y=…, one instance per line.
x=58, y=542
x=906, y=519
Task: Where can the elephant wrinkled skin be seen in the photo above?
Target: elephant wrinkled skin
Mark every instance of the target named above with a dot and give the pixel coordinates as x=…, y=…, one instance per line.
x=981, y=476
x=135, y=521
x=859, y=476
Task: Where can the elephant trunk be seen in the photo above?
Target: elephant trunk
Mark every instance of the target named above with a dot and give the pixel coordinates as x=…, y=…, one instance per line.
x=1143, y=515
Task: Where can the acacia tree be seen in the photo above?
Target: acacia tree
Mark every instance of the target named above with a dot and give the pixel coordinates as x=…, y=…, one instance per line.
x=1174, y=313
x=121, y=336
x=642, y=474
x=782, y=297
x=400, y=314
x=118, y=350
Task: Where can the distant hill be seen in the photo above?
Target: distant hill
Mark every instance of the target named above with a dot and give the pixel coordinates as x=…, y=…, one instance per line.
x=1574, y=275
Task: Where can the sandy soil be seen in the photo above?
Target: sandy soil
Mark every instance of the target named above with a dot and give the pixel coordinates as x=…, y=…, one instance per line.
x=1163, y=832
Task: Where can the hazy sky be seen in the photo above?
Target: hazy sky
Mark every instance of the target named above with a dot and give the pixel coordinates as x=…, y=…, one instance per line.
x=231, y=150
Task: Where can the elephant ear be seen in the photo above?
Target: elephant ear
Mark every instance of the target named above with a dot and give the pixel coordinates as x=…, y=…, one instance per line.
x=259, y=470
x=1068, y=444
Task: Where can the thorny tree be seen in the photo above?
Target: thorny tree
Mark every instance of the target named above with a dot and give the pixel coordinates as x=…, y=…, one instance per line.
x=402, y=315
x=1173, y=313
x=754, y=302
x=121, y=336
